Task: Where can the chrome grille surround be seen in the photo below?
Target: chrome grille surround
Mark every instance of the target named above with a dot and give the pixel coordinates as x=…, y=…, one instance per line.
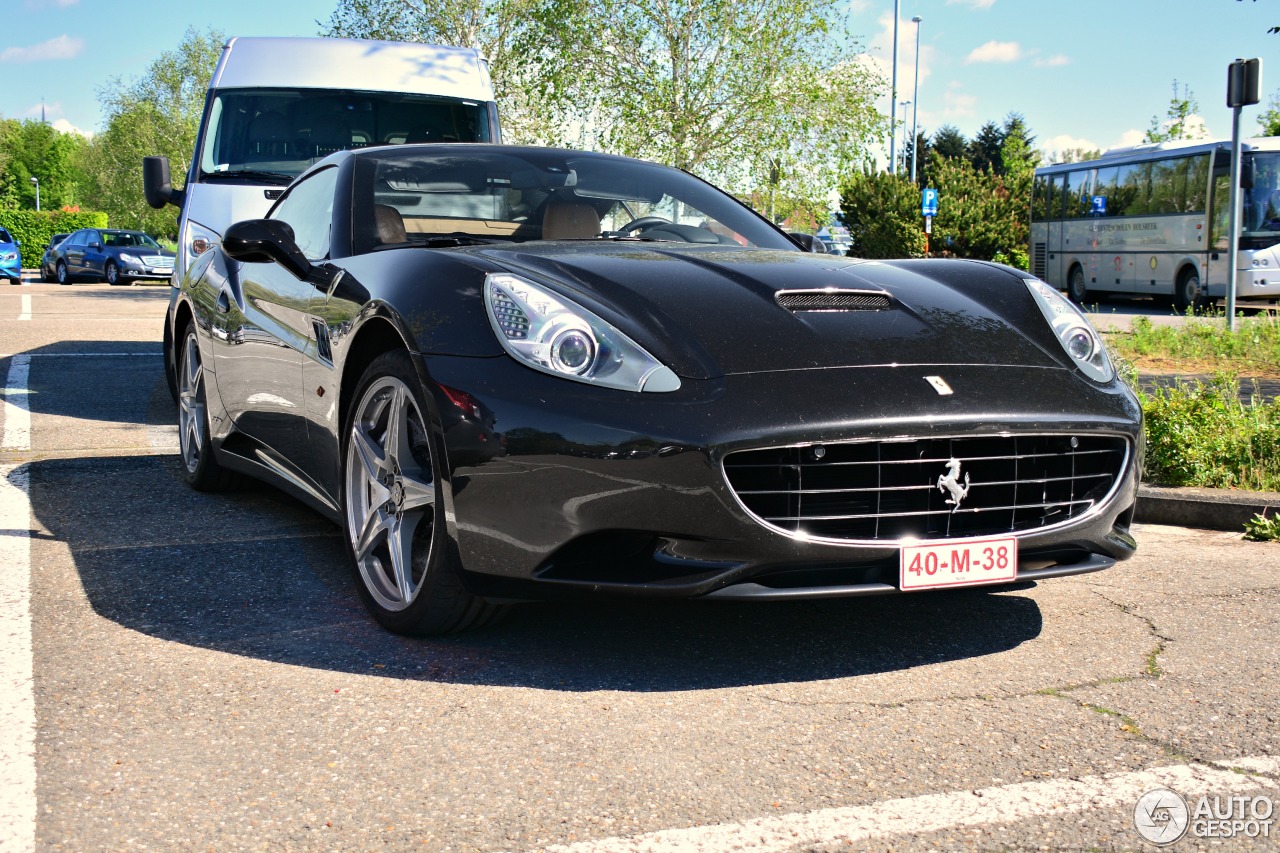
x=879, y=491
x=834, y=299
x=157, y=260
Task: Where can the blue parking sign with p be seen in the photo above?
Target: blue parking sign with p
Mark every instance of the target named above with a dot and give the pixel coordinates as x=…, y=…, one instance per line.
x=928, y=202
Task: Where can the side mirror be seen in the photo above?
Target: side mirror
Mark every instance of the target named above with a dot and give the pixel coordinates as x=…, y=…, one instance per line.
x=157, y=188
x=263, y=241
x=1247, y=174
x=808, y=242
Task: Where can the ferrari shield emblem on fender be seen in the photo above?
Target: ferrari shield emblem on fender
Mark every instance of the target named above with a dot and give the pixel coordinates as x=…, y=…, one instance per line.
x=940, y=385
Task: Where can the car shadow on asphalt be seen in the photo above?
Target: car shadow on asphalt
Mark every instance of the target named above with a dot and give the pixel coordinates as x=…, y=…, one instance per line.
x=254, y=573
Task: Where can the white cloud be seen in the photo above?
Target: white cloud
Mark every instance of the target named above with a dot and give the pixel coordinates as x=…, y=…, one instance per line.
x=973, y=4
x=61, y=47
x=857, y=7
x=1066, y=142
x=67, y=127
x=1130, y=137
x=995, y=51
x=1055, y=61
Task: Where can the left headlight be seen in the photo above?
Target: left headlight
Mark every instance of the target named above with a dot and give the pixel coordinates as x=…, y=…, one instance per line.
x=129, y=259
x=553, y=334
x=8, y=256
x=1078, y=337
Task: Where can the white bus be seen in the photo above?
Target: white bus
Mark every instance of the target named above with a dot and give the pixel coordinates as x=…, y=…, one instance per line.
x=1152, y=220
x=276, y=105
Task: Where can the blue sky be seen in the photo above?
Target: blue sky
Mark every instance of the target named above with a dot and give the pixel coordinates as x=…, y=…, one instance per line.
x=1084, y=73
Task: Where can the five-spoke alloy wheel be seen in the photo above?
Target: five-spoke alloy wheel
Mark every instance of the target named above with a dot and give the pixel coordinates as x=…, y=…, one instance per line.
x=202, y=469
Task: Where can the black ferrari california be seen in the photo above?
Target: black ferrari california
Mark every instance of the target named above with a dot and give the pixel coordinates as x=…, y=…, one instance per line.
x=515, y=373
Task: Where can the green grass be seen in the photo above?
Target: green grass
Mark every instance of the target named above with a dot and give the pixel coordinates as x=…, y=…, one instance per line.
x=1203, y=345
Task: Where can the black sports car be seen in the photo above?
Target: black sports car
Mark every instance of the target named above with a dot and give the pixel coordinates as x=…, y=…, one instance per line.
x=513, y=373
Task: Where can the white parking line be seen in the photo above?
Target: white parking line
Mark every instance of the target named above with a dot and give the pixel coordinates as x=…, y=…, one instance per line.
x=18, y=710
x=25, y=312
x=934, y=812
x=17, y=406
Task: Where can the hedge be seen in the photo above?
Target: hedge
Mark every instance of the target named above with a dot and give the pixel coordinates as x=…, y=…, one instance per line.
x=33, y=228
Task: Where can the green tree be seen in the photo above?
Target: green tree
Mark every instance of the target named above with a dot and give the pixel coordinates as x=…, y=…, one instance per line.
x=157, y=113
x=1269, y=120
x=513, y=35
x=950, y=142
x=983, y=150
x=32, y=148
x=1176, y=125
x=731, y=89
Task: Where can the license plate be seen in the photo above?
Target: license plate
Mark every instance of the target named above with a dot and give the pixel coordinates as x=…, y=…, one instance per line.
x=959, y=562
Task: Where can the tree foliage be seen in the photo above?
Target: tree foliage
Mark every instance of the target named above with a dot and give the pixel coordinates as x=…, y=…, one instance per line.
x=157, y=113
x=882, y=213
x=1269, y=120
x=1176, y=124
x=32, y=148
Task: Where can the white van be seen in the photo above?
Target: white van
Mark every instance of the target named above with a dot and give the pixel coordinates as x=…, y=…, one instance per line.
x=276, y=105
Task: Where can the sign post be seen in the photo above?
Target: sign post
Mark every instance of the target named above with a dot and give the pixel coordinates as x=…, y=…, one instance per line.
x=928, y=209
x=1244, y=85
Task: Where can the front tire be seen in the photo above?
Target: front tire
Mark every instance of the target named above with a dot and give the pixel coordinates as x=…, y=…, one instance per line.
x=111, y=273
x=393, y=512
x=203, y=472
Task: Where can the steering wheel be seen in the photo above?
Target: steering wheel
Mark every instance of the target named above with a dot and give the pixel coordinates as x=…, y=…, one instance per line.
x=643, y=222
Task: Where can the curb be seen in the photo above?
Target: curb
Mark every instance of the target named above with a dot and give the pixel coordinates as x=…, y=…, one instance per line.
x=1209, y=509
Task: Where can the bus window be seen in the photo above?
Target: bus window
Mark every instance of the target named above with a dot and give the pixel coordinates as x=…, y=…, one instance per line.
x=1055, y=198
x=1197, y=184
x=1106, y=187
x=1168, y=185
x=1219, y=226
x=1134, y=187
x=1040, y=199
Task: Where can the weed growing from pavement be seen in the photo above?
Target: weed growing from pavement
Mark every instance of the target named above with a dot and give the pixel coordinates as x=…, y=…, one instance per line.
x=1203, y=345
x=1260, y=528
x=1202, y=434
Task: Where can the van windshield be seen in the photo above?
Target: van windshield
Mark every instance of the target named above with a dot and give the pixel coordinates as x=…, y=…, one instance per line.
x=271, y=135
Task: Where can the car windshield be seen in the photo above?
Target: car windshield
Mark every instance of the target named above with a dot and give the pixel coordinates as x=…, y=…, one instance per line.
x=429, y=195
x=129, y=238
x=4, y=236
x=271, y=135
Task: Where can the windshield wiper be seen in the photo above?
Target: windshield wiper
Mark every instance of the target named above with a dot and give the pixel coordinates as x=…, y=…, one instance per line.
x=278, y=178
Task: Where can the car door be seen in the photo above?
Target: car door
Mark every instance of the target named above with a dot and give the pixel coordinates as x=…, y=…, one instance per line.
x=73, y=254
x=262, y=330
x=91, y=257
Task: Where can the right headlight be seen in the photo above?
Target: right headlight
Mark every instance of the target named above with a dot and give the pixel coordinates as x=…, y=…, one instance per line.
x=550, y=333
x=1078, y=337
x=194, y=241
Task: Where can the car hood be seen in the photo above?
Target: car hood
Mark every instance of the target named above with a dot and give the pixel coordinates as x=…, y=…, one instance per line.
x=714, y=310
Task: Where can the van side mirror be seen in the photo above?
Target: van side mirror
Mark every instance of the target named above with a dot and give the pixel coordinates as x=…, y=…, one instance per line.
x=157, y=188
x=1247, y=174
x=265, y=241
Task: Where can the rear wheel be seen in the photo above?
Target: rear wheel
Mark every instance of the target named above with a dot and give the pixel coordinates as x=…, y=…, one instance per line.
x=1187, y=294
x=1076, y=289
x=407, y=576
x=61, y=272
x=202, y=470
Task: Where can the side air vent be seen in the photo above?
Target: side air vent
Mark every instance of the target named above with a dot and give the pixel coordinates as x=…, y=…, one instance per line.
x=833, y=299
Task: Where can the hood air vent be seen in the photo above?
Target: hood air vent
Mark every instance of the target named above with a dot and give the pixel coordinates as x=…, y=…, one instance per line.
x=833, y=299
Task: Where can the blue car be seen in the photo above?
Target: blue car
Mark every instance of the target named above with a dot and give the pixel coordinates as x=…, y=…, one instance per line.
x=10, y=258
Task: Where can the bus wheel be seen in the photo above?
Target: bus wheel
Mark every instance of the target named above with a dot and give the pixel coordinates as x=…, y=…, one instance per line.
x=1187, y=294
x=1076, y=290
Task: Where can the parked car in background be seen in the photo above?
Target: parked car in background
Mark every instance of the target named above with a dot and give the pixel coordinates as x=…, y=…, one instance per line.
x=10, y=258
x=116, y=257
x=47, y=268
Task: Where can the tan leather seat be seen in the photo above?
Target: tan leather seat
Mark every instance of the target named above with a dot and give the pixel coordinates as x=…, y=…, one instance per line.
x=390, y=224
x=565, y=220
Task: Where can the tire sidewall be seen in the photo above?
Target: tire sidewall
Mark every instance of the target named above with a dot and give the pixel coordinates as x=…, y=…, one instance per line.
x=204, y=473
x=61, y=274
x=111, y=272
x=1076, y=289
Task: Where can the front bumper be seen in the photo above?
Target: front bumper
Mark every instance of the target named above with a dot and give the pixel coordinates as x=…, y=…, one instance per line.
x=11, y=269
x=587, y=490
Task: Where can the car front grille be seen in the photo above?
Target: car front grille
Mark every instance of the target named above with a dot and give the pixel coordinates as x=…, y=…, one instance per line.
x=158, y=261
x=889, y=490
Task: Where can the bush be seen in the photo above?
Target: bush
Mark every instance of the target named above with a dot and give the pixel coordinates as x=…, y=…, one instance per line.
x=882, y=212
x=1201, y=434
x=33, y=228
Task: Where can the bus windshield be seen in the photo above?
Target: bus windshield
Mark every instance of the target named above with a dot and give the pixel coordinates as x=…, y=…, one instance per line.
x=1260, y=206
x=271, y=135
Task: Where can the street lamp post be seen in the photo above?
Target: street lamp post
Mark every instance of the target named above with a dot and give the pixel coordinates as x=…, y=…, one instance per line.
x=904, y=105
x=36, y=183
x=893, y=93
x=915, y=96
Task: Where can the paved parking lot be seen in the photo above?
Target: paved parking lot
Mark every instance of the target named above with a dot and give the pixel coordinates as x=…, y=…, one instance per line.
x=187, y=671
